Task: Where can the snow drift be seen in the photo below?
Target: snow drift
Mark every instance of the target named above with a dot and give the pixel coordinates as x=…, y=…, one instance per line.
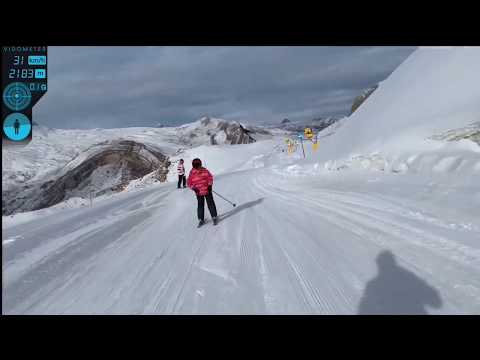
x=399, y=127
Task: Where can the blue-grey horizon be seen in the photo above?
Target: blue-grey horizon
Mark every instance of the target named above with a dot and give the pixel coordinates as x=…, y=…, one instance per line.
x=114, y=87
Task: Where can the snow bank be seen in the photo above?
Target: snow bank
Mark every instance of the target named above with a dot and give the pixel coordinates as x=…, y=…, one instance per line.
x=143, y=182
x=434, y=91
x=220, y=159
x=25, y=217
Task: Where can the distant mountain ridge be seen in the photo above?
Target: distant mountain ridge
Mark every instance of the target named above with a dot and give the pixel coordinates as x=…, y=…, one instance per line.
x=214, y=131
x=316, y=124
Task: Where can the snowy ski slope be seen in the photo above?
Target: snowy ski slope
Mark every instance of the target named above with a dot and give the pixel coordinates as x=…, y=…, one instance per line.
x=382, y=218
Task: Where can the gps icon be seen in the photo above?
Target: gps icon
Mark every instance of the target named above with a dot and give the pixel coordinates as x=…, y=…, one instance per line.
x=17, y=96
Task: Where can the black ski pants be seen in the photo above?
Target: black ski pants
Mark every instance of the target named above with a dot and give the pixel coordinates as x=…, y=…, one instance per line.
x=201, y=206
x=182, y=178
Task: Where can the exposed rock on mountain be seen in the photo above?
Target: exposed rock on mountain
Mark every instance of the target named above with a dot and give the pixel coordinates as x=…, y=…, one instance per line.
x=360, y=99
x=103, y=168
x=470, y=132
x=215, y=132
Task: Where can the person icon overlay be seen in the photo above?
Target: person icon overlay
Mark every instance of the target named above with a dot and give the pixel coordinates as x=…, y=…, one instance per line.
x=16, y=126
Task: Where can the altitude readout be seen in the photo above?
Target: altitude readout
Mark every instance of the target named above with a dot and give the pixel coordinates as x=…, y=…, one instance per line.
x=27, y=74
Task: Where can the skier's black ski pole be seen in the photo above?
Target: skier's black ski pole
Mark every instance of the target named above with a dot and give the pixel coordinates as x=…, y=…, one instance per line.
x=224, y=198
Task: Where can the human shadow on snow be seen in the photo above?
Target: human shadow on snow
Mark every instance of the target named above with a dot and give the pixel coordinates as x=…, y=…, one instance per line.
x=239, y=208
x=397, y=291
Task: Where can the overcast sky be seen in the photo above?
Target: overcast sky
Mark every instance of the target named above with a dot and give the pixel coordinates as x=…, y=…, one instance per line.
x=93, y=87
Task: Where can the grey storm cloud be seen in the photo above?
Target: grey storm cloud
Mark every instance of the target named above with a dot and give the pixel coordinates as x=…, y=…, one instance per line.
x=104, y=87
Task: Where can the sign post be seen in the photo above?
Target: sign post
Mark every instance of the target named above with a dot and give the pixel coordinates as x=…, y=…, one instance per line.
x=301, y=140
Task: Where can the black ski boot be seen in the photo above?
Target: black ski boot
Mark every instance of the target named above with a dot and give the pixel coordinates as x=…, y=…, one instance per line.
x=201, y=223
x=215, y=220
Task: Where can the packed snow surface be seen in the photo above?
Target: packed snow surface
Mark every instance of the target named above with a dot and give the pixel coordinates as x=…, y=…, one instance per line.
x=382, y=218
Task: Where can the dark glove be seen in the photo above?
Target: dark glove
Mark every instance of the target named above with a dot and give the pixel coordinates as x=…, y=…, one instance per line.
x=196, y=191
x=209, y=189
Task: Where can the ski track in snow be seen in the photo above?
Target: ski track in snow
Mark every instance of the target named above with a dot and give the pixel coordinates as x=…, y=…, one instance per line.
x=280, y=251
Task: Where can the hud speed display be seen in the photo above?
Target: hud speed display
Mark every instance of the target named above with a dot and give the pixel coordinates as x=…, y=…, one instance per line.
x=24, y=82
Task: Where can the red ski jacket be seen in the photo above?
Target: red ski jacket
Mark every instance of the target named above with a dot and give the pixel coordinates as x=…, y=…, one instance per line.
x=200, y=179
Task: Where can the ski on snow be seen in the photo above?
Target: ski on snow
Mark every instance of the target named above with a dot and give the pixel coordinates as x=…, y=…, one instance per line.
x=200, y=224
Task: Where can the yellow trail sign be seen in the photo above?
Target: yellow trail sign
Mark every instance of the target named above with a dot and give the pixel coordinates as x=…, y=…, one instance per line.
x=308, y=133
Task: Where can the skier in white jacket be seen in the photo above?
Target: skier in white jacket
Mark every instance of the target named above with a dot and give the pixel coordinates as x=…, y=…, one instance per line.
x=181, y=175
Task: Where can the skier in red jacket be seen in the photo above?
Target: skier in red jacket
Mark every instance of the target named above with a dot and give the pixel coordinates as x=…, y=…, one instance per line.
x=200, y=180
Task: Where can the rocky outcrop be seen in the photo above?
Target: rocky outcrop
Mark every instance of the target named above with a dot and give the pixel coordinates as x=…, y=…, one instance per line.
x=215, y=132
x=161, y=173
x=360, y=99
x=106, y=167
x=470, y=132
x=235, y=133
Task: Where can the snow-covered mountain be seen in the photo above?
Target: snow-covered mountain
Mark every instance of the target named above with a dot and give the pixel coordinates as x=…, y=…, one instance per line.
x=400, y=127
x=61, y=164
x=214, y=131
x=103, y=168
x=382, y=218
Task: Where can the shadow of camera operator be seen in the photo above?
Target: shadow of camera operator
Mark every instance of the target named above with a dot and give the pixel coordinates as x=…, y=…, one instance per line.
x=397, y=291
